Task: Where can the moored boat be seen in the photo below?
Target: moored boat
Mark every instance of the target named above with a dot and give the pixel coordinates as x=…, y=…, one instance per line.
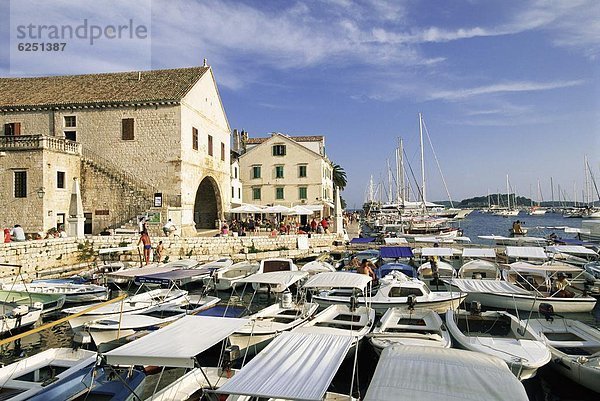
x=74, y=293
x=50, y=302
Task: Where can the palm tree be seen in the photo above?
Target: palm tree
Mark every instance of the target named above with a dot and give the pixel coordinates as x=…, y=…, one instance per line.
x=339, y=177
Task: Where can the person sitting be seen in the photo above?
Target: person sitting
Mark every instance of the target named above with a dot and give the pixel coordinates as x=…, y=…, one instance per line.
x=169, y=228
x=367, y=267
x=17, y=234
x=561, y=285
x=6, y=236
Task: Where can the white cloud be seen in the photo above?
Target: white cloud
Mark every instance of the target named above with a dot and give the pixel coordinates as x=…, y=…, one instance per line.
x=505, y=87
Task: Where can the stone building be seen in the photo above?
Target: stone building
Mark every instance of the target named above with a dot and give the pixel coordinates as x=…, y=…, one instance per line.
x=287, y=170
x=140, y=141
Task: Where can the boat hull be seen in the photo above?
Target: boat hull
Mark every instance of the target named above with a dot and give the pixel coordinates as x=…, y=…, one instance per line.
x=439, y=306
x=529, y=302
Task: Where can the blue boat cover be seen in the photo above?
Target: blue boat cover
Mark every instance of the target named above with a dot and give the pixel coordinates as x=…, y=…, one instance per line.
x=569, y=241
x=387, y=268
x=394, y=252
x=361, y=240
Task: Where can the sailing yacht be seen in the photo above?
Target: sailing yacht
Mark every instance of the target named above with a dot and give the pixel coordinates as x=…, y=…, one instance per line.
x=508, y=212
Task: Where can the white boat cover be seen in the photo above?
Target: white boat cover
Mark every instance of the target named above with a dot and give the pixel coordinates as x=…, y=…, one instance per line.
x=295, y=366
x=479, y=253
x=434, y=374
x=338, y=280
x=437, y=251
x=545, y=268
x=487, y=286
x=531, y=252
x=177, y=344
x=572, y=249
x=145, y=271
x=104, y=251
x=282, y=278
x=390, y=241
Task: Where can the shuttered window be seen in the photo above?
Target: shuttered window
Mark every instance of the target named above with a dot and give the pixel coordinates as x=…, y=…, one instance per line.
x=222, y=151
x=60, y=179
x=12, y=129
x=20, y=184
x=127, y=131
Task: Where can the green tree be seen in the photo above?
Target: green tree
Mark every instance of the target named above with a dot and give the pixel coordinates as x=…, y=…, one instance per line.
x=339, y=177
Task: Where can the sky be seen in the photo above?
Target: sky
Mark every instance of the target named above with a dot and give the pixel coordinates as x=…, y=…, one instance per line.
x=505, y=87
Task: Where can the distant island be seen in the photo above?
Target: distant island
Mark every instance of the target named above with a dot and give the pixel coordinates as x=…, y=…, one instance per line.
x=482, y=202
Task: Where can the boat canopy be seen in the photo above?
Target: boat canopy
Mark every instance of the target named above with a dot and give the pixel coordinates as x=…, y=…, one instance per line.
x=396, y=252
x=177, y=344
x=280, y=278
x=392, y=240
x=180, y=276
x=295, y=366
x=338, y=280
x=531, y=252
x=437, y=251
x=104, y=251
x=387, y=268
x=486, y=286
x=361, y=240
x=433, y=374
x=572, y=249
x=479, y=253
x=522, y=267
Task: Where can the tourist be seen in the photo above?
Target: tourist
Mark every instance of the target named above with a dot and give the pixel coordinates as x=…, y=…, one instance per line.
x=313, y=225
x=251, y=225
x=142, y=224
x=159, y=251
x=6, y=235
x=561, y=286
x=325, y=224
x=145, y=239
x=225, y=230
x=320, y=229
x=17, y=234
x=61, y=232
x=169, y=228
x=242, y=231
x=517, y=227
x=368, y=268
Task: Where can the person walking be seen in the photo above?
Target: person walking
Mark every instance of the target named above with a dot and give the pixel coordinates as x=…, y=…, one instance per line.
x=159, y=251
x=145, y=239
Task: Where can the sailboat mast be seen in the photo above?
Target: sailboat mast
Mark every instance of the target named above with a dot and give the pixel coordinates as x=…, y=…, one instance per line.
x=507, y=192
x=422, y=162
x=552, y=191
x=390, y=188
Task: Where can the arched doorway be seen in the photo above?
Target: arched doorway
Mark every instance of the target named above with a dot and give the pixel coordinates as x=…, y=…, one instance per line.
x=207, y=206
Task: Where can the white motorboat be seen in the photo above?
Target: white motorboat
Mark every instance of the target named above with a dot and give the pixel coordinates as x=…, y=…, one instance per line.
x=276, y=265
x=126, y=275
x=108, y=329
x=228, y=277
x=480, y=269
x=74, y=293
x=422, y=327
x=393, y=292
x=17, y=317
x=575, y=349
x=502, y=335
x=436, y=373
x=133, y=304
x=317, y=266
x=503, y=295
x=23, y=379
x=284, y=315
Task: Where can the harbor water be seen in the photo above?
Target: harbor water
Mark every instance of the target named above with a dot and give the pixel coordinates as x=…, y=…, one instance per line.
x=547, y=385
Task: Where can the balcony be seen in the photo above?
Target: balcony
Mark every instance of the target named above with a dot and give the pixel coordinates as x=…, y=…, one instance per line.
x=39, y=142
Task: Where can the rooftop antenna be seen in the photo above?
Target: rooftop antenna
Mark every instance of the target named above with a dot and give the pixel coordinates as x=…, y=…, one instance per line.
x=139, y=75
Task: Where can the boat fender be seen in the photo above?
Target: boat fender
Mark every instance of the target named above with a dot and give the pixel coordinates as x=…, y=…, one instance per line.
x=286, y=300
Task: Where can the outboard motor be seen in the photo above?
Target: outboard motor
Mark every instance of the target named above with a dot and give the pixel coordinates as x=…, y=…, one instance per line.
x=230, y=355
x=475, y=308
x=411, y=301
x=546, y=310
x=286, y=299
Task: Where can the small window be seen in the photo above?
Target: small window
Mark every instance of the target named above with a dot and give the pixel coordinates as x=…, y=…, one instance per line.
x=70, y=121
x=278, y=171
x=20, y=184
x=127, y=130
x=301, y=171
x=210, y=145
x=194, y=138
x=71, y=135
x=232, y=192
x=12, y=129
x=256, y=172
x=278, y=150
x=239, y=193
x=256, y=193
x=279, y=193
x=60, y=179
x=222, y=151
x=404, y=292
x=235, y=172
x=302, y=193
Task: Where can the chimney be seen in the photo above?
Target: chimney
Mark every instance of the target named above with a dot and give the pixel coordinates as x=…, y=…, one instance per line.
x=139, y=75
x=205, y=63
x=236, y=141
x=244, y=141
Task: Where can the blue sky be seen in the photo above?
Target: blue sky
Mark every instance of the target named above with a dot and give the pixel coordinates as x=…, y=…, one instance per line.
x=505, y=87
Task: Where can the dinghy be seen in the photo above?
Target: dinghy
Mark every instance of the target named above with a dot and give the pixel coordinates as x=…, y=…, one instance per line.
x=74, y=293
x=422, y=327
x=575, y=349
x=393, y=292
x=499, y=334
x=133, y=304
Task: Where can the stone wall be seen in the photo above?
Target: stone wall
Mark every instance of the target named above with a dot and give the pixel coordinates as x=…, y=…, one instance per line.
x=55, y=257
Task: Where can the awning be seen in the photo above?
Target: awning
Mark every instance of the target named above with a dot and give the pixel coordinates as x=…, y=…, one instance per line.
x=301, y=211
x=396, y=252
x=177, y=344
x=104, y=251
x=181, y=276
x=338, y=280
x=479, y=253
x=314, y=208
x=361, y=240
x=134, y=272
x=282, y=278
x=277, y=209
x=572, y=249
x=530, y=252
x=437, y=251
x=434, y=374
x=486, y=286
x=546, y=267
x=294, y=366
x=246, y=208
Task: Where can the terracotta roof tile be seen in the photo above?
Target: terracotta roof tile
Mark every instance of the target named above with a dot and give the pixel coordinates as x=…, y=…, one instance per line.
x=108, y=88
x=310, y=138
